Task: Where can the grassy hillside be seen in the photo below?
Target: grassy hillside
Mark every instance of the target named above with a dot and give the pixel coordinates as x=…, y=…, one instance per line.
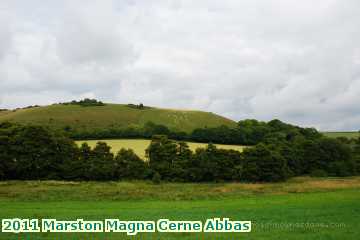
x=114, y=115
x=139, y=145
x=3, y=113
x=303, y=208
x=342, y=134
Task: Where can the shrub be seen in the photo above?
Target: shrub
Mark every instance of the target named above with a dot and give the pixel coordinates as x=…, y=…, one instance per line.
x=156, y=179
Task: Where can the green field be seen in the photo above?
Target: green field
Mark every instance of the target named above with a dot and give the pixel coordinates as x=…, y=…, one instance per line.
x=302, y=208
x=139, y=145
x=342, y=134
x=114, y=116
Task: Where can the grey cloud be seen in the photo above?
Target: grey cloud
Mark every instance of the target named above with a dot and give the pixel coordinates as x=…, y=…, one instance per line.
x=294, y=60
x=92, y=36
x=5, y=36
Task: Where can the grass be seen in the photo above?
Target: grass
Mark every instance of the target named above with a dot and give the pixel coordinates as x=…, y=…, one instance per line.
x=114, y=116
x=303, y=208
x=143, y=190
x=342, y=134
x=139, y=145
x=3, y=113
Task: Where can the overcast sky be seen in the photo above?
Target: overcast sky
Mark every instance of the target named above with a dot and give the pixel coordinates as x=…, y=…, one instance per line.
x=298, y=61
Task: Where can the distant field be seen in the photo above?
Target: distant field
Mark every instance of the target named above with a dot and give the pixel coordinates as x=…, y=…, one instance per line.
x=114, y=116
x=139, y=145
x=342, y=134
x=301, y=209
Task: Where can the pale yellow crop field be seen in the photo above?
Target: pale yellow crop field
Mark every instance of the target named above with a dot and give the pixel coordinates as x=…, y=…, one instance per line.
x=139, y=145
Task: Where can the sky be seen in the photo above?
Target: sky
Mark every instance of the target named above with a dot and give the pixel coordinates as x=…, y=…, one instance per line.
x=298, y=61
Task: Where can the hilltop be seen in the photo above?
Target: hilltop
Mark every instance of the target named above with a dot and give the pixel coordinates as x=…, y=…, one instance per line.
x=98, y=117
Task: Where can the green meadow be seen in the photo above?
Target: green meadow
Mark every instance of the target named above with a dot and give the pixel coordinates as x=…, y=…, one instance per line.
x=139, y=145
x=302, y=208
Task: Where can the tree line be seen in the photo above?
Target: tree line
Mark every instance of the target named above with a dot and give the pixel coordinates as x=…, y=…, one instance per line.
x=247, y=132
x=86, y=102
x=35, y=152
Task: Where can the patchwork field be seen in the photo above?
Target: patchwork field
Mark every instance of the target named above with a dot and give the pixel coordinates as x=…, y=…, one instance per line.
x=303, y=208
x=342, y=134
x=139, y=145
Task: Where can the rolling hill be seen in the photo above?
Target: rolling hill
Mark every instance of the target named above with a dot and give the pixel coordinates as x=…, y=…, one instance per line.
x=113, y=116
x=352, y=134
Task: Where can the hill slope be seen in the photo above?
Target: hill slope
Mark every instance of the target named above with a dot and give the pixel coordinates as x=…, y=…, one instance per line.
x=115, y=116
x=342, y=134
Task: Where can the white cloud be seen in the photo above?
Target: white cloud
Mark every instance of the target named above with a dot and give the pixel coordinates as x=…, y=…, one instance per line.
x=294, y=60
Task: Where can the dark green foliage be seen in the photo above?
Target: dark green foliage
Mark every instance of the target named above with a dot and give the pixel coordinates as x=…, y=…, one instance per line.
x=293, y=154
x=75, y=169
x=7, y=162
x=156, y=179
x=318, y=173
x=212, y=164
x=251, y=132
x=151, y=129
x=264, y=163
x=356, y=156
x=34, y=152
x=100, y=165
x=222, y=134
x=128, y=165
x=345, y=140
x=330, y=155
x=161, y=154
x=85, y=102
x=248, y=132
x=180, y=164
x=147, y=131
x=140, y=106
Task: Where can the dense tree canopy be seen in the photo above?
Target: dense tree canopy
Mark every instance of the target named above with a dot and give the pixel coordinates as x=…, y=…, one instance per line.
x=87, y=102
x=34, y=152
x=247, y=132
x=264, y=163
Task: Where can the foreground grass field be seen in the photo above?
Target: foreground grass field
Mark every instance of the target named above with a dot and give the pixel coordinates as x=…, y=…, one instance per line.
x=139, y=145
x=302, y=208
x=342, y=134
